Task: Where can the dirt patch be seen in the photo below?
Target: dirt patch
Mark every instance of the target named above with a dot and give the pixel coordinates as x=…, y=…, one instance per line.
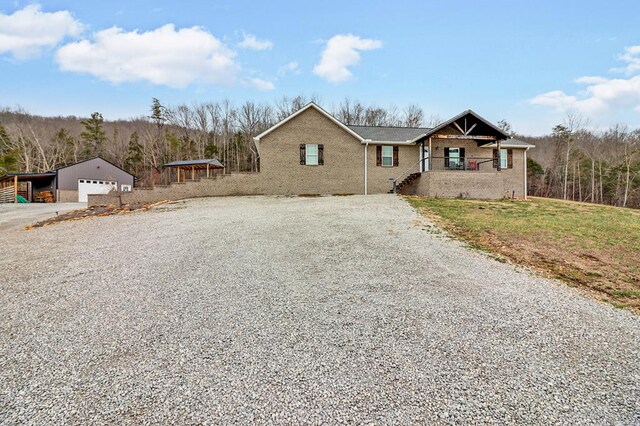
x=94, y=211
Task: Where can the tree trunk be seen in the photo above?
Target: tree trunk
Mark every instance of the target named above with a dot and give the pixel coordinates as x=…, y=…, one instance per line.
x=566, y=172
x=601, y=186
x=626, y=184
x=579, y=184
x=593, y=180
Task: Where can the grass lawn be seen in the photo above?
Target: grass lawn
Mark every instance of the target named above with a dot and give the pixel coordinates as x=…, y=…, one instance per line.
x=596, y=248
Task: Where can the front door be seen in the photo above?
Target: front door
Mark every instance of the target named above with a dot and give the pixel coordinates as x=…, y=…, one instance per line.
x=424, y=156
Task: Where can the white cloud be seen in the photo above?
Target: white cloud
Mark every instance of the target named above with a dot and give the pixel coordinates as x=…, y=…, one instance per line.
x=251, y=42
x=261, y=84
x=556, y=99
x=341, y=52
x=27, y=31
x=631, y=56
x=600, y=94
x=590, y=80
x=164, y=56
x=289, y=68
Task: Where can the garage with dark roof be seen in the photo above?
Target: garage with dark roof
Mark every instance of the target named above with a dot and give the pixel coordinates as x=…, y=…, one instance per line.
x=72, y=183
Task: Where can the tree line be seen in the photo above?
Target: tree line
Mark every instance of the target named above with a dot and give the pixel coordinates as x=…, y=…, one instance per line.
x=579, y=164
x=143, y=145
x=572, y=162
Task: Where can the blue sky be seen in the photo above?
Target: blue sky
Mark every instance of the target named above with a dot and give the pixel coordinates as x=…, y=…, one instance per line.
x=528, y=62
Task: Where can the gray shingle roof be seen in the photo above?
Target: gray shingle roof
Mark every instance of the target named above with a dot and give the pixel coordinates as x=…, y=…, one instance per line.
x=512, y=142
x=389, y=134
x=211, y=161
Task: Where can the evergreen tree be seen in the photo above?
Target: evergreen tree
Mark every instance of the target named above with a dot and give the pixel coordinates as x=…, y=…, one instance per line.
x=133, y=162
x=158, y=112
x=8, y=156
x=93, y=135
x=211, y=149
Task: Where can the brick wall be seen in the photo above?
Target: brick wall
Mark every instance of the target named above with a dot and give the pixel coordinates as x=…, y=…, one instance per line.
x=221, y=185
x=66, y=196
x=454, y=184
x=343, y=169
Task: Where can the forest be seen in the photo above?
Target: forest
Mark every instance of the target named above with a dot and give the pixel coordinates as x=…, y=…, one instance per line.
x=572, y=162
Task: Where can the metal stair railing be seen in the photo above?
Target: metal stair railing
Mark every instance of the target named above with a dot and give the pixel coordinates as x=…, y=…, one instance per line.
x=406, y=173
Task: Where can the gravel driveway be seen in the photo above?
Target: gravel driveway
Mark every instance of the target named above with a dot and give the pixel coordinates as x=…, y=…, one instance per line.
x=296, y=310
x=16, y=216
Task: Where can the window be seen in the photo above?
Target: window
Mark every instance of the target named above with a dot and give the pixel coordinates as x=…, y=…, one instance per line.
x=503, y=159
x=312, y=155
x=387, y=156
x=454, y=157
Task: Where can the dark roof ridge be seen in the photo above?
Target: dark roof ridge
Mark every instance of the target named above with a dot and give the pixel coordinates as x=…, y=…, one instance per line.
x=389, y=127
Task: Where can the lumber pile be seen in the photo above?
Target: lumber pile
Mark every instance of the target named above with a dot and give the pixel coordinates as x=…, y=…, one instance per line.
x=44, y=197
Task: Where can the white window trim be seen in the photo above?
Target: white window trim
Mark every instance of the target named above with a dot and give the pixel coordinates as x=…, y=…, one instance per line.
x=504, y=159
x=387, y=156
x=315, y=156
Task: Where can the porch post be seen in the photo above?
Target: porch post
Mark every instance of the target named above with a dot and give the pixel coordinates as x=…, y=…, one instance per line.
x=207, y=169
x=15, y=189
x=193, y=172
x=430, y=155
x=499, y=156
x=525, y=174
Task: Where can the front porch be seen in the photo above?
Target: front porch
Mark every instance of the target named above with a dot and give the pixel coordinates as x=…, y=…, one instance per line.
x=462, y=184
x=463, y=157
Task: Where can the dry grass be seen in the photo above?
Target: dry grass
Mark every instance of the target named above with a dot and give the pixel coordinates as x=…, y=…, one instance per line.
x=595, y=248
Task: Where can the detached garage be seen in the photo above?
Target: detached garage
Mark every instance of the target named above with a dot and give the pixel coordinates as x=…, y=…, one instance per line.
x=72, y=183
x=96, y=176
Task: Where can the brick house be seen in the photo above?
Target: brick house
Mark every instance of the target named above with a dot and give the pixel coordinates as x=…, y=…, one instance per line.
x=311, y=152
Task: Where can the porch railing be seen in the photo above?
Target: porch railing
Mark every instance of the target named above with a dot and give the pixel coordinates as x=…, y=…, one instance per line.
x=470, y=164
x=464, y=164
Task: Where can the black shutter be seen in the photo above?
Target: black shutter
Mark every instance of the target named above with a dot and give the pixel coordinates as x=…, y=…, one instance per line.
x=446, y=157
x=462, y=159
x=303, y=154
x=321, y=155
x=509, y=159
x=395, y=156
x=496, y=158
x=378, y=155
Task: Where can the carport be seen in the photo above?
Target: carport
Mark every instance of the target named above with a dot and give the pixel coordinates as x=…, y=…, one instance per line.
x=28, y=187
x=196, y=167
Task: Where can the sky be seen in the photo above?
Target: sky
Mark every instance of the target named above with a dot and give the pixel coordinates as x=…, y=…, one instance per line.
x=528, y=62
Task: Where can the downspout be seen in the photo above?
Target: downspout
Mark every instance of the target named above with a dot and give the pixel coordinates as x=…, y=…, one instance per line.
x=366, y=166
x=525, y=173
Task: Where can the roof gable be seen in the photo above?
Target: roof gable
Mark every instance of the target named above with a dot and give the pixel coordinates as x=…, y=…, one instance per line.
x=300, y=111
x=485, y=126
x=92, y=159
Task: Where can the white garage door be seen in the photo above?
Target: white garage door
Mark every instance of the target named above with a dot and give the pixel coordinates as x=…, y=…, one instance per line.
x=90, y=186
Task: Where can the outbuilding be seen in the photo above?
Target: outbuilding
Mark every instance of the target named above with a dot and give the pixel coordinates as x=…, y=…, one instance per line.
x=72, y=183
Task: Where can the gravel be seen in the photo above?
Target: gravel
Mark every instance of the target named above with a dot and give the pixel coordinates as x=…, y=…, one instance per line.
x=297, y=310
x=16, y=216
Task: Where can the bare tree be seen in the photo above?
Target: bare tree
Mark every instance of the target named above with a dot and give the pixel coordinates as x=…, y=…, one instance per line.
x=413, y=116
